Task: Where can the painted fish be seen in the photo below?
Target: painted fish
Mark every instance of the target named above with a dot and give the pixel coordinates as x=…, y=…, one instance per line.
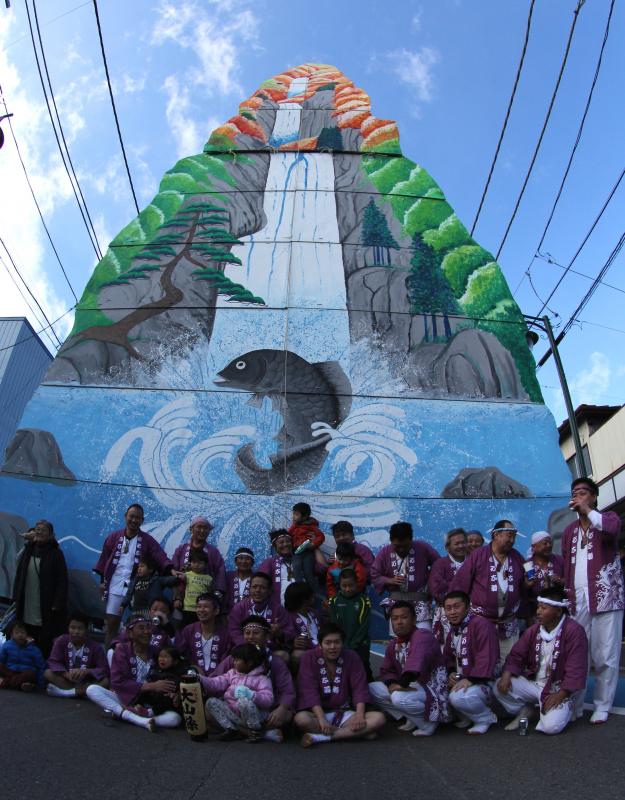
x=303, y=393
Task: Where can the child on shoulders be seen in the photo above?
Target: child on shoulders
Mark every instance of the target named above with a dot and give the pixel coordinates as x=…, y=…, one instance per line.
x=306, y=538
x=345, y=557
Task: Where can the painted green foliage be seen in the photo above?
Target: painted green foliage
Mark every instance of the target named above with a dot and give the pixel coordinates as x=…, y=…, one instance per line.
x=148, y=238
x=376, y=234
x=471, y=273
x=428, y=289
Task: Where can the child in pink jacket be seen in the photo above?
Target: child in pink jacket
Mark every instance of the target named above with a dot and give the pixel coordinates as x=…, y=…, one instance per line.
x=246, y=695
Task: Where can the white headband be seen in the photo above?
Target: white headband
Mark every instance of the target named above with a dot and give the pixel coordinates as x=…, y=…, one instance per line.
x=549, y=602
x=539, y=536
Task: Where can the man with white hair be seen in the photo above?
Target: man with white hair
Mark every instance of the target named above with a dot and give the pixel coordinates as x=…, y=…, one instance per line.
x=441, y=576
x=546, y=668
x=199, y=530
x=543, y=569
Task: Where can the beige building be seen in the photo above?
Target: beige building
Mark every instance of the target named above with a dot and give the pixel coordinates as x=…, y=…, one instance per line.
x=602, y=433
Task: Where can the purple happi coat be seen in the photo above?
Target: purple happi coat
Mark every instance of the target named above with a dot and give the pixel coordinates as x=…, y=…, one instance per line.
x=215, y=568
x=271, y=610
x=314, y=687
x=303, y=626
x=478, y=650
x=605, y=575
x=441, y=576
x=421, y=655
x=232, y=593
x=189, y=644
x=544, y=575
x=272, y=566
x=112, y=550
x=281, y=680
x=569, y=662
x=419, y=561
x=93, y=658
x=478, y=578
x=124, y=672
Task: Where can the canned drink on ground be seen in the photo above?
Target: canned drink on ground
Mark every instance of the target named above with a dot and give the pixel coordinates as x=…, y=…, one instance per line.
x=109, y=717
x=523, y=726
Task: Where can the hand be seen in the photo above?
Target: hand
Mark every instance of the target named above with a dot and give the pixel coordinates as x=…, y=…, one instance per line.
x=102, y=590
x=580, y=506
x=243, y=691
x=395, y=687
x=554, y=700
x=505, y=683
x=279, y=717
x=178, y=574
x=529, y=582
x=398, y=581
x=463, y=683
x=178, y=603
x=301, y=643
x=165, y=687
x=325, y=728
x=276, y=630
x=76, y=675
x=556, y=580
x=357, y=722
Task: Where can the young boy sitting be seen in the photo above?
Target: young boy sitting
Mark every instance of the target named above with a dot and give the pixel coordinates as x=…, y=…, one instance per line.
x=75, y=661
x=306, y=538
x=351, y=610
x=146, y=585
x=21, y=661
x=345, y=557
x=196, y=581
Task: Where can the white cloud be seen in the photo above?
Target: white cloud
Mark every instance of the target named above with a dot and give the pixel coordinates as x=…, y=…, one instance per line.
x=415, y=22
x=590, y=385
x=414, y=68
x=131, y=85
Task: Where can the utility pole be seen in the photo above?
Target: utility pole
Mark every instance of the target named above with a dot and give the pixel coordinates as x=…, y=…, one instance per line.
x=545, y=325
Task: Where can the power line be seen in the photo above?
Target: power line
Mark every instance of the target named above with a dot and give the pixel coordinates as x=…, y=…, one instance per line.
x=34, y=196
x=92, y=237
x=578, y=7
x=32, y=336
x=587, y=297
x=108, y=81
x=28, y=289
x=584, y=240
x=58, y=118
x=505, y=122
x=574, y=150
x=549, y=260
x=27, y=301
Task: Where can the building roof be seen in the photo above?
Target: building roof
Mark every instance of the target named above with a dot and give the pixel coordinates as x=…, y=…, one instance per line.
x=595, y=416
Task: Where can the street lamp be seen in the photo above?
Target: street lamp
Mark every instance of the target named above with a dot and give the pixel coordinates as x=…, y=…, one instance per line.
x=544, y=324
x=4, y=116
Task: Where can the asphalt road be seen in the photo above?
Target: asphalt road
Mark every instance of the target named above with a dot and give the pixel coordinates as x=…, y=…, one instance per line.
x=61, y=748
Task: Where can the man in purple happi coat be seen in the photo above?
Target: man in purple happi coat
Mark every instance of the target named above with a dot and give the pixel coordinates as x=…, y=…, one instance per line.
x=493, y=577
x=206, y=642
x=593, y=577
x=199, y=529
x=280, y=565
x=343, y=531
x=256, y=630
x=263, y=603
x=75, y=661
x=470, y=653
x=117, y=565
x=332, y=692
x=238, y=579
x=131, y=665
x=441, y=576
x=547, y=667
x=402, y=568
x=413, y=680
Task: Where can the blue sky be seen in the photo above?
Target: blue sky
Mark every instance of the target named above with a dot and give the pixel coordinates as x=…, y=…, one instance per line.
x=443, y=69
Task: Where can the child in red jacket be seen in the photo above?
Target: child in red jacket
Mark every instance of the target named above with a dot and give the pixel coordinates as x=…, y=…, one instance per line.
x=345, y=557
x=306, y=538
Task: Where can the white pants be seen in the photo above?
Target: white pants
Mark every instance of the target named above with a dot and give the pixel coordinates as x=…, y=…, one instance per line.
x=524, y=692
x=604, y=632
x=107, y=699
x=505, y=646
x=473, y=703
x=114, y=604
x=409, y=704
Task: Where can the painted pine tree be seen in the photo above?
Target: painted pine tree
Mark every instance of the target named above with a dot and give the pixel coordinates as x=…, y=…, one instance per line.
x=377, y=235
x=429, y=290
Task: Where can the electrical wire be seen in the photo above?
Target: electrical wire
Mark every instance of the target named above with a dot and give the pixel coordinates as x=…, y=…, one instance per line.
x=61, y=131
x=34, y=335
x=574, y=150
x=578, y=7
x=28, y=289
x=94, y=241
x=27, y=301
x=505, y=122
x=108, y=81
x=34, y=196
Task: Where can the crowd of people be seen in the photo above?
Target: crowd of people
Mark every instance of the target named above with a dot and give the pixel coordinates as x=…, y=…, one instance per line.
x=479, y=633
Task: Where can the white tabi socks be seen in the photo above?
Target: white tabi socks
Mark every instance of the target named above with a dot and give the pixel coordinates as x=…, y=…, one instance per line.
x=54, y=691
x=308, y=739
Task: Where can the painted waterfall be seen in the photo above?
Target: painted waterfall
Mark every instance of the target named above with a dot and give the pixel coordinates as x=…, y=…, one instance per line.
x=298, y=314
